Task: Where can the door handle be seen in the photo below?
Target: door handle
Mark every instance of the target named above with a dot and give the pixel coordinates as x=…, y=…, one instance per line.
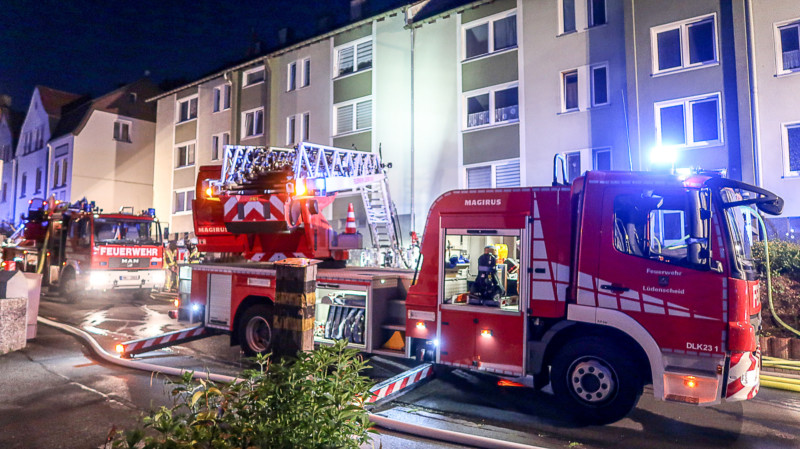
x=614, y=288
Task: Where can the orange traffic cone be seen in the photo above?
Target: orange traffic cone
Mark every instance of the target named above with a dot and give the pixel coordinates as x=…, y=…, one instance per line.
x=351, y=220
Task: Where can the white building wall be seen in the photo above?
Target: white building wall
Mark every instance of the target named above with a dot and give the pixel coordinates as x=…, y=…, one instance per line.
x=35, y=119
x=163, y=160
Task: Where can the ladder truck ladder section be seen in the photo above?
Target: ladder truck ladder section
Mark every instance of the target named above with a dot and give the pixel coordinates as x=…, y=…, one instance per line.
x=249, y=173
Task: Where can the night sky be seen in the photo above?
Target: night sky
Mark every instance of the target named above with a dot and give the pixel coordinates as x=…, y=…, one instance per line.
x=93, y=47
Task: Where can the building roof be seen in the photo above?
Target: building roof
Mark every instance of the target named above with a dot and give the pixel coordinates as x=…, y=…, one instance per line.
x=117, y=102
x=53, y=100
x=378, y=9
x=430, y=10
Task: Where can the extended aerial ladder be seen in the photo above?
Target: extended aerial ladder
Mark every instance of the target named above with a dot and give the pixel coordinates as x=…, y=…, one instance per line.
x=274, y=196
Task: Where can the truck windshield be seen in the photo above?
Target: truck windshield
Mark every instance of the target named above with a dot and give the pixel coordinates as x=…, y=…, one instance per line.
x=113, y=231
x=740, y=225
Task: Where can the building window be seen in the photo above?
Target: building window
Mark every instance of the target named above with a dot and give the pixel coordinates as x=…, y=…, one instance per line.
x=567, y=16
x=291, y=74
x=306, y=79
x=122, y=131
x=689, y=122
x=253, y=76
x=573, y=164
x=493, y=35
x=353, y=57
x=187, y=109
x=56, y=172
x=791, y=145
x=596, y=12
x=290, y=127
x=353, y=116
x=599, y=85
x=38, y=181
x=680, y=45
x=5, y=191
x=569, y=91
x=491, y=106
x=306, y=126
x=64, y=164
x=132, y=97
x=184, y=155
x=495, y=175
x=23, y=185
x=253, y=122
x=222, y=97
x=789, y=48
x=218, y=143
x=601, y=159
x=182, y=202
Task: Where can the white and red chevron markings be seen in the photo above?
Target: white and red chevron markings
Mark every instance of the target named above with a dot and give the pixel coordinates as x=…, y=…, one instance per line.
x=253, y=208
x=161, y=341
x=743, y=376
x=400, y=382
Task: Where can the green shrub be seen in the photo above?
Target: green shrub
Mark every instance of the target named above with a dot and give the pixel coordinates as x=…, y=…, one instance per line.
x=310, y=402
x=784, y=258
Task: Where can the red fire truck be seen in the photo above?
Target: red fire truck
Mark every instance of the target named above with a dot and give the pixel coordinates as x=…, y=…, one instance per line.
x=78, y=249
x=619, y=280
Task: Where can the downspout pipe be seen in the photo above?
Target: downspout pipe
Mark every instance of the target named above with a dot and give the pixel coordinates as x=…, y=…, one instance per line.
x=411, y=130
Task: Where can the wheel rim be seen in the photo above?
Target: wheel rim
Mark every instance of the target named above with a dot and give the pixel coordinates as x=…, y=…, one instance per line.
x=258, y=334
x=592, y=380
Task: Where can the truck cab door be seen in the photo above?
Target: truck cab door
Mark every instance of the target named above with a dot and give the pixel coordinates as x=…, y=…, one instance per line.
x=643, y=268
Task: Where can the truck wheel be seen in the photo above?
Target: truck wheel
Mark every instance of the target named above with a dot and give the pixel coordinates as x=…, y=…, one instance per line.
x=255, y=330
x=68, y=287
x=595, y=382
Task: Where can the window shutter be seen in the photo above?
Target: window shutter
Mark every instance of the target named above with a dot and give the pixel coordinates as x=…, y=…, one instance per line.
x=344, y=119
x=479, y=177
x=364, y=115
x=507, y=175
x=346, y=60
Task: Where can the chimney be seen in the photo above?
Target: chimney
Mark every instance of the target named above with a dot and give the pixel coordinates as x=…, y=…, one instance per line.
x=356, y=9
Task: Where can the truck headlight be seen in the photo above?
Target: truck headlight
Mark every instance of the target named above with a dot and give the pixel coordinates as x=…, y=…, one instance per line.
x=97, y=279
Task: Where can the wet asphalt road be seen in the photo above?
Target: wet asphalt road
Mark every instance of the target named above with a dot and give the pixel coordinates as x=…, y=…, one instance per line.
x=453, y=400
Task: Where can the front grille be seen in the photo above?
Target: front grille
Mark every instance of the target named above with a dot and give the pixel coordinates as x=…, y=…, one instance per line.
x=129, y=262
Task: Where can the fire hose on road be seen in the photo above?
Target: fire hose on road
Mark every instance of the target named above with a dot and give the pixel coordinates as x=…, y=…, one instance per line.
x=380, y=421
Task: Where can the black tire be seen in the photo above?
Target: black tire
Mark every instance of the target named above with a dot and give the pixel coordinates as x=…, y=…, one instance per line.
x=68, y=287
x=594, y=381
x=255, y=330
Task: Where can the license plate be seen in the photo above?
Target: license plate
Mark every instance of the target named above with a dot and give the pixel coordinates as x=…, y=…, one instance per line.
x=129, y=278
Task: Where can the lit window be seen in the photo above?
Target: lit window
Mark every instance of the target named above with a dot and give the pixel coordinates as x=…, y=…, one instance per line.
x=184, y=155
x=492, y=106
x=253, y=123
x=493, y=35
x=789, y=47
x=690, y=43
x=187, y=109
x=689, y=122
x=353, y=57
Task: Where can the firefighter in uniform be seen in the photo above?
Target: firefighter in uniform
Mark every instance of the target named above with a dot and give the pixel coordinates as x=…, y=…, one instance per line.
x=171, y=267
x=486, y=286
x=194, y=254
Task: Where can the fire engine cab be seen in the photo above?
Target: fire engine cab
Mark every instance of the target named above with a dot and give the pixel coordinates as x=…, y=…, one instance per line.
x=78, y=248
x=598, y=287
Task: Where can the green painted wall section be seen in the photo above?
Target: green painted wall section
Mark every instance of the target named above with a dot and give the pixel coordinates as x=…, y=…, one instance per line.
x=348, y=36
x=489, y=71
x=183, y=177
x=487, y=10
x=252, y=97
x=491, y=144
x=352, y=87
x=362, y=141
x=186, y=92
x=185, y=132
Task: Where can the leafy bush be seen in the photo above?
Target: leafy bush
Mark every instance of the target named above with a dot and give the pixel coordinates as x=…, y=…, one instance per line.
x=310, y=402
x=784, y=258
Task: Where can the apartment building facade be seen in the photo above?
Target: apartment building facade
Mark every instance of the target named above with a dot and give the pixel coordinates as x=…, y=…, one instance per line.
x=484, y=93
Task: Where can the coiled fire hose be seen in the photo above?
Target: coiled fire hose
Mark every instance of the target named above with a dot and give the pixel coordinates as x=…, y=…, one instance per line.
x=774, y=380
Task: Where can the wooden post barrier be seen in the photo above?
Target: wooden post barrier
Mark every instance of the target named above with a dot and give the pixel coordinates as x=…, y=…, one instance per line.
x=295, y=304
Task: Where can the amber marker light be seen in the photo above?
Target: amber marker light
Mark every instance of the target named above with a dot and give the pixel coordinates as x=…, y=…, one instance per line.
x=508, y=383
x=300, y=187
x=690, y=381
x=486, y=333
x=420, y=325
x=120, y=349
x=209, y=192
x=177, y=302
